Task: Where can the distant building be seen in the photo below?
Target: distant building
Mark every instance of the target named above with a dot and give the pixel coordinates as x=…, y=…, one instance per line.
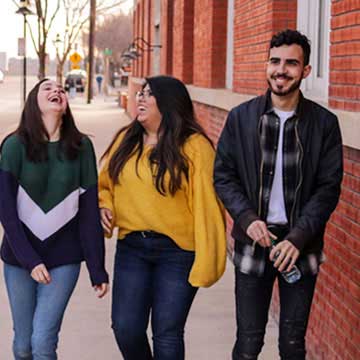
x=16, y=66
x=3, y=61
x=32, y=68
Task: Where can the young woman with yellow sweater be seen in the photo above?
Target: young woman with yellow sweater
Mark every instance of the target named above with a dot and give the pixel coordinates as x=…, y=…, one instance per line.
x=156, y=188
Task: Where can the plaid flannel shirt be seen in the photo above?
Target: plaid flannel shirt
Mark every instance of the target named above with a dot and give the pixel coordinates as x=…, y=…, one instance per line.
x=250, y=259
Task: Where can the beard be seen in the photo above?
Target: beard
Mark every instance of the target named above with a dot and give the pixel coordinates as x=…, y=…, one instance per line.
x=279, y=91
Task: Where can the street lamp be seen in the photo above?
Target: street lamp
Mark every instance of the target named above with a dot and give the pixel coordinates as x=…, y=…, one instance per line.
x=24, y=10
x=143, y=45
x=136, y=47
x=57, y=43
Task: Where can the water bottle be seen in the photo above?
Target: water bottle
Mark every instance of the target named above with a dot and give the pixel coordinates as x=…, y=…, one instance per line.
x=291, y=276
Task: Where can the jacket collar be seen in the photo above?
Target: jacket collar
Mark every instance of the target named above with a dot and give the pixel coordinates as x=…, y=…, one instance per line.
x=266, y=105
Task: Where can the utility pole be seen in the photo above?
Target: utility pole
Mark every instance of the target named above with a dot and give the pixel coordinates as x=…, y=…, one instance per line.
x=24, y=10
x=91, y=50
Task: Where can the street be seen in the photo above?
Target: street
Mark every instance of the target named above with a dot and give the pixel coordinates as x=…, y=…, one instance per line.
x=86, y=332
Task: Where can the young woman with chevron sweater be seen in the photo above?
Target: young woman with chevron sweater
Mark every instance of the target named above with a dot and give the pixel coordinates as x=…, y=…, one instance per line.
x=49, y=212
x=156, y=187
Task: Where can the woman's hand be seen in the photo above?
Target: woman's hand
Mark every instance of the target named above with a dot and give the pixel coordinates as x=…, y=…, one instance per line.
x=101, y=290
x=106, y=219
x=40, y=274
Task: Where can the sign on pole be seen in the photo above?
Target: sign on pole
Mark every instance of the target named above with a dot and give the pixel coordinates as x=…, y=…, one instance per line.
x=21, y=47
x=75, y=59
x=107, y=52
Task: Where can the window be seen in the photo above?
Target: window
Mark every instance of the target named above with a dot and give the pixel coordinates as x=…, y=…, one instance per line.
x=313, y=19
x=157, y=39
x=230, y=45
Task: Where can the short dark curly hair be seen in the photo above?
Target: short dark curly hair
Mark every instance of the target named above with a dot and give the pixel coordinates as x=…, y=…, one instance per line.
x=289, y=37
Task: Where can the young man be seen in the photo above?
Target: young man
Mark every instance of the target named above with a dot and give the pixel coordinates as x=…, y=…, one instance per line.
x=278, y=172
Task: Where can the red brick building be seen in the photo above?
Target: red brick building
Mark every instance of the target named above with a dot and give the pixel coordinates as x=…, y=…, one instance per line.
x=219, y=48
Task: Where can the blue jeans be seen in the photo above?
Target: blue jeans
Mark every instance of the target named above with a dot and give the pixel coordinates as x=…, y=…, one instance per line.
x=37, y=309
x=151, y=274
x=253, y=296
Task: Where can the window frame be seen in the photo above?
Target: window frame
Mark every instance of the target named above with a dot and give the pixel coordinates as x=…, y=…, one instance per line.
x=308, y=22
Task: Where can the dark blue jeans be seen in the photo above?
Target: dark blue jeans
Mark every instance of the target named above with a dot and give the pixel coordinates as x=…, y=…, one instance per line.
x=253, y=296
x=151, y=275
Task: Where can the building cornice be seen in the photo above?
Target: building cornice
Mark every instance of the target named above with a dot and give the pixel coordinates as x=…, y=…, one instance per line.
x=226, y=99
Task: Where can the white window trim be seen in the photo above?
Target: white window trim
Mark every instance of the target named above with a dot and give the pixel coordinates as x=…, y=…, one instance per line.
x=307, y=22
x=157, y=38
x=230, y=45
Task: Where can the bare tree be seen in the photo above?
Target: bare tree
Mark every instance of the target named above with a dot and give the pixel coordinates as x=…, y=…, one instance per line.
x=45, y=20
x=76, y=18
x=114, y=33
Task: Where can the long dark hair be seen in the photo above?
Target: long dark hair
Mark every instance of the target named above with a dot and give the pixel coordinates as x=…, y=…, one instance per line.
x=34, y=136
x=177, y=124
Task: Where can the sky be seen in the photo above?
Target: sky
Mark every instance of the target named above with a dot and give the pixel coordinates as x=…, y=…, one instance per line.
x=11, y=28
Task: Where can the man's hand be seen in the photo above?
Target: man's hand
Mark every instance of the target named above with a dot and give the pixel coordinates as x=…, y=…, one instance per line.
x=230, y=246
x=106, y=219
x=287, y=255
x=101, y=290
x=258, y=232
x=40, y=274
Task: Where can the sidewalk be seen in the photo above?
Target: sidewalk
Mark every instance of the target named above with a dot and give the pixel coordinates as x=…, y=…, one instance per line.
x=86, y=332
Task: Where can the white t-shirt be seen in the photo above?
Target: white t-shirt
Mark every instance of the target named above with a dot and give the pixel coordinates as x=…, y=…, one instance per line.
x=277, y=210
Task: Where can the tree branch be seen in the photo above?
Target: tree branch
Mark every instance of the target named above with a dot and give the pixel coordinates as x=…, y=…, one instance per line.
x=16, y=4
x=100, y=10
x=33, y=39
x=53, y=16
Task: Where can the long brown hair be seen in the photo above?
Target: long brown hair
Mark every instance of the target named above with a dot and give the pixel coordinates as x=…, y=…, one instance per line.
x=34, y=136
x=177, y=124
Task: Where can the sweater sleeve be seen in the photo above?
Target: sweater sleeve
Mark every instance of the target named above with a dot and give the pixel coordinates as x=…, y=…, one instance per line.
x=10, y=167
x=91, y=233
x=106, y=188
x=209, y=218
x=106, y=185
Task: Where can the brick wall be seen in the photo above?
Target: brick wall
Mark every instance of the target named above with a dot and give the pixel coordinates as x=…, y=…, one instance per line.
x=189, y=52
x=210, y=43
x=344, y=90
x=211, y=119
x=147, y=36
x=166, y=56
x=183, y=37
x=335, y=319
x=334, y=324
x=255, y=23
x=135, y=63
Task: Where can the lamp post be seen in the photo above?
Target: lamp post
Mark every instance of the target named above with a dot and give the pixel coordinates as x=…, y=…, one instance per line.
x=57, y=43
x=91, y=49
x=24, y=10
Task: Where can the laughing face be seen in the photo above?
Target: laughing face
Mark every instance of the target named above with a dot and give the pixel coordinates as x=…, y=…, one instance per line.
x=51, y=98
x=148, y=113
x=285, y=69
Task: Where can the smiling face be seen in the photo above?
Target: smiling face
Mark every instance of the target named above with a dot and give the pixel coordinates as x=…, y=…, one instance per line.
x=148, y=113
x=51, y=98
x=285, y=69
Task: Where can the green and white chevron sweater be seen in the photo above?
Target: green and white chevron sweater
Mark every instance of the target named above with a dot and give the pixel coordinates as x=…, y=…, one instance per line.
x=49, y=210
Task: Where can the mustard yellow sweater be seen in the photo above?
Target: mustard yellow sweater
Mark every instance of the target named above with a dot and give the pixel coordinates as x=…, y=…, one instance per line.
x=193, y=217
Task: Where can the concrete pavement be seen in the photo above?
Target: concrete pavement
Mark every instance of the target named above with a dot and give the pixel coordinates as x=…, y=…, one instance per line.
x=86, y=333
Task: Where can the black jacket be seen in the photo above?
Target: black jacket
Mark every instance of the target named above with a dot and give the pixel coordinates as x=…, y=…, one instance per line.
x=237, y=170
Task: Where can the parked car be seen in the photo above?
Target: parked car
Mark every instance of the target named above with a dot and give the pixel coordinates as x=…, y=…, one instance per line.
x=1, y=77
x=75, y=78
